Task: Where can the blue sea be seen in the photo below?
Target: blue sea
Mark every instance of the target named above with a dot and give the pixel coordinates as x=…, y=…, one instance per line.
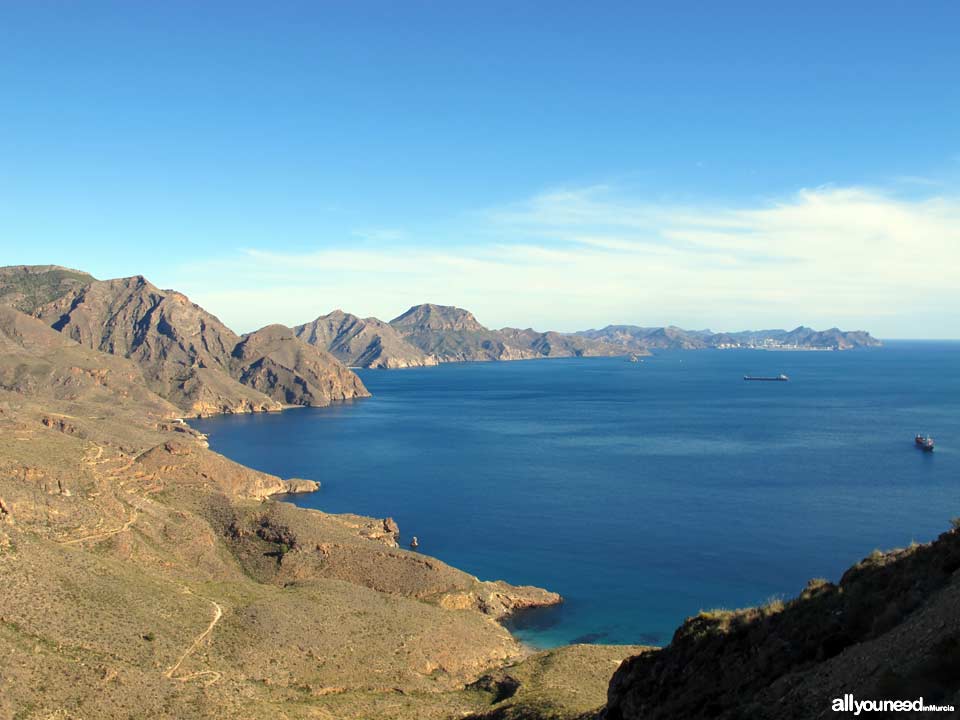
x=642, y=492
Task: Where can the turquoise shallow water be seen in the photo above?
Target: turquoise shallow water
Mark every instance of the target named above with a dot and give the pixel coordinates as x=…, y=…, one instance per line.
x=641, y=492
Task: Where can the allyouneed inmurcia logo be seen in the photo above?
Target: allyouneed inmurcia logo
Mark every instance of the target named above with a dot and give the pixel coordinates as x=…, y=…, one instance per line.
x=848, y=704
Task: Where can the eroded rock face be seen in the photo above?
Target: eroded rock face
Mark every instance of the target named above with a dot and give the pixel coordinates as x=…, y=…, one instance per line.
x=191, y=358
x=362, y=342
x=499, y=599
x=278, y=364
x=298, y=485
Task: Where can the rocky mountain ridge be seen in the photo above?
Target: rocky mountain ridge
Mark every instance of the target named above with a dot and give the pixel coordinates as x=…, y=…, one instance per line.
x=191, y=358
x=429, y=334
x=633, y=338
x=362, y=342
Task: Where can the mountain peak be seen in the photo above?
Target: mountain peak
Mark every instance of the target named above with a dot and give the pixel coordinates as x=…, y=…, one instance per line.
x=438, y=317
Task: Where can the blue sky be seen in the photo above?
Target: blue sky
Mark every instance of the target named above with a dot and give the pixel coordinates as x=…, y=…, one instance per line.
x=559, y=165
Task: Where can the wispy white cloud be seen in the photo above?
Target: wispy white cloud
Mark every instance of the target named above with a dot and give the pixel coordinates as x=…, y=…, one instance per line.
x=572, y=258
x=380, y=234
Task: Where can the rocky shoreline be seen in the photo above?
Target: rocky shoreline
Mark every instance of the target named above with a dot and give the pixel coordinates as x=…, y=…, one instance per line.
x=144, y=571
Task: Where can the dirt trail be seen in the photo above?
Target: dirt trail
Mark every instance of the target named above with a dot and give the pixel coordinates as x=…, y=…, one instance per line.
x=95, y=460
x=106, y=533
x=212, y=675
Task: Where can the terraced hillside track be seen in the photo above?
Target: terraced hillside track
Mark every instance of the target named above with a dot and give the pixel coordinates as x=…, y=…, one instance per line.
x=94, y=459
x=103, y=535
x=117, y=477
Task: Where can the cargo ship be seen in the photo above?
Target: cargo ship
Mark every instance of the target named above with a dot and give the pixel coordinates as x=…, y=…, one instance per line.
x=778, y=378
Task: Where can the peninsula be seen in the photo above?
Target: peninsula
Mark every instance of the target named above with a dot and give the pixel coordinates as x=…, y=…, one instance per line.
x=432, y=334
x=143, y=570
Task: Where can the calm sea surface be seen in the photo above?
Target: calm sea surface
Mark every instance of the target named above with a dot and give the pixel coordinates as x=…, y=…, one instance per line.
x=641, y=492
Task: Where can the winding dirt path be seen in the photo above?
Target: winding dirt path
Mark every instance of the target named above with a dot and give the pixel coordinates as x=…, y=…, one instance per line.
x=95, y=459
x=106, y=533
x=212, y=675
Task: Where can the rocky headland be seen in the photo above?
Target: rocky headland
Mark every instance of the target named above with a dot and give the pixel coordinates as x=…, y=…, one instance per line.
x=145, y=574
x=429, y=334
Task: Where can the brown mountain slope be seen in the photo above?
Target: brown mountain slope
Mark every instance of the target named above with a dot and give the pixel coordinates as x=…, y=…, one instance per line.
x=146, y=576
x=189, y=357
x=362, y=342
x=184, y=352
x=38, y=364
x=27, y=287
x=437, y=317
x=454, y=335
x=277, y=363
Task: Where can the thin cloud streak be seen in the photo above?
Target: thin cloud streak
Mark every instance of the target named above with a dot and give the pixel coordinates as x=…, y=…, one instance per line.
x=569, y=259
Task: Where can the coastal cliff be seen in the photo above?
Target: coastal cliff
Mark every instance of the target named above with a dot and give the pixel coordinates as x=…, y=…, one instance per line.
x=362, y=342
x=143, y=570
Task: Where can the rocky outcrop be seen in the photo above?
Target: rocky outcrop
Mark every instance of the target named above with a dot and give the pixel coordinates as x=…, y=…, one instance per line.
x=296, y=486
x=362, y=342
x=499, y=599
x=275, y=362
x=888, y=629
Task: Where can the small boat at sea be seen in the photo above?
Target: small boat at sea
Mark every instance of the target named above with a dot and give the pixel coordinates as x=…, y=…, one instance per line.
x=924, y=443
x=415, y=543
x=779, y=378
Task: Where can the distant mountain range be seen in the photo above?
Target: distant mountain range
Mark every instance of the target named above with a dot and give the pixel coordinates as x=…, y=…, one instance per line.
x=674, y=338
x=430, y=334
x=191, y=359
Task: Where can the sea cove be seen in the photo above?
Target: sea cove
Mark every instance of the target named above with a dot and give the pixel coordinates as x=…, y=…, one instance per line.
x=643, y=492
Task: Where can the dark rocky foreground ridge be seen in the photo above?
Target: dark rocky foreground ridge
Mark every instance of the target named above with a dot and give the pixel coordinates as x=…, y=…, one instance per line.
x=147, y=576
